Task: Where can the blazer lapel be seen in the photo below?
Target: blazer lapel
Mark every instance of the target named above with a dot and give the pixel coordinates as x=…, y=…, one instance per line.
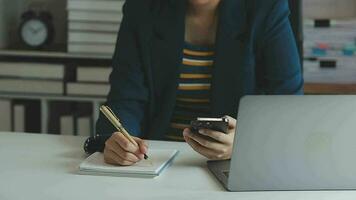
x=166, y=56
x=228, y=83
x=167, y=44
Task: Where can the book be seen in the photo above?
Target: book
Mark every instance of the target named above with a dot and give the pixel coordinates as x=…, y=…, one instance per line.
x=344, y=72
x=159, y=160
x=329, y=23
x=87, y=16
x=84, y=48
x=88, y=89
x=95, y=5
x=93, y=26
x=84, y=126
x=66, y=125
x=13, y=85
x=93, y=74
x=32, y=70
x=92, y=37
x=5, y=116
x=19, y=118
x=28, y=115
x=330, y=50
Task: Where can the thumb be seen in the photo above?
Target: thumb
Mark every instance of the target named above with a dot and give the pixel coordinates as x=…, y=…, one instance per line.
x=232, y=122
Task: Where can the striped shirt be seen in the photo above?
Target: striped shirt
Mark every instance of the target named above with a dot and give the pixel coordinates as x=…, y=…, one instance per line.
x=193, y=93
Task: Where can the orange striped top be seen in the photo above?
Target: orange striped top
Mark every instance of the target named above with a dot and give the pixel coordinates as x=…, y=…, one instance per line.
x=193, y=92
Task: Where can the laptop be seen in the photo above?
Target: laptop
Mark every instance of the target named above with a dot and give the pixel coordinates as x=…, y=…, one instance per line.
x=292, y=143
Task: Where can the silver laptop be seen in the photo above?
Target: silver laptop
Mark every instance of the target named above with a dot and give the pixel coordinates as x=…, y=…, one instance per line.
x=292, y=143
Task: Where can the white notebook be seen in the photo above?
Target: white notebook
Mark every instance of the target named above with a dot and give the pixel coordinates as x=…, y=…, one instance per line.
x=159, y=159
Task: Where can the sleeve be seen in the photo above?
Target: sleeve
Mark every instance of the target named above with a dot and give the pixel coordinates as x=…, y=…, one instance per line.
x=128, y=94
x=282, y=68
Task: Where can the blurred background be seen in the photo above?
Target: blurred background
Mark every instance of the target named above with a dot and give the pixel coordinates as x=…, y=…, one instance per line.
x=55, y=58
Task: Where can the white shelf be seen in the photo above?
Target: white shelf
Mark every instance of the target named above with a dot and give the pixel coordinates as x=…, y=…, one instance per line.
x=51, y=97
x=50, y=54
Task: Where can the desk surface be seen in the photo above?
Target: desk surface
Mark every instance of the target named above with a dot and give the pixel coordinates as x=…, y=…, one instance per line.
x=35, y=166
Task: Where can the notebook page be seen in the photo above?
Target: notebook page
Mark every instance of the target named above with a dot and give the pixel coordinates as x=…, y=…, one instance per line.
x=158, y=159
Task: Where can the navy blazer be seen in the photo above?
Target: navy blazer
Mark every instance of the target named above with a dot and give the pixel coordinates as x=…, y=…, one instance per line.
x=255, y=51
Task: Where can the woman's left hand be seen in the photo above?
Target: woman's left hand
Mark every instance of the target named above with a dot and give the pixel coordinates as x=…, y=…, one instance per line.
x=219, y=147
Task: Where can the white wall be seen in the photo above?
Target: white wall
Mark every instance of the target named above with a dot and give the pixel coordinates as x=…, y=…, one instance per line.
x=3, y=29
x=329, y=8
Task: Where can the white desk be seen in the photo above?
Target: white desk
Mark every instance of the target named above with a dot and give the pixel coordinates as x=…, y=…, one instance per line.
x=36, y=167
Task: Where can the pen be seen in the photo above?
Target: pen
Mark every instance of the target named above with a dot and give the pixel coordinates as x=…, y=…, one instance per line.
x=110, y=115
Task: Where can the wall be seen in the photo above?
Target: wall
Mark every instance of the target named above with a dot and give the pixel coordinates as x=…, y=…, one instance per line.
x=329, y=8
x=3, y=25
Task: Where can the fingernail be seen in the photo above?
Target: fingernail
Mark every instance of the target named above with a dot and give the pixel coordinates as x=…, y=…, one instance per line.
x=185, y=136
x=144, y=149
x=141, y=156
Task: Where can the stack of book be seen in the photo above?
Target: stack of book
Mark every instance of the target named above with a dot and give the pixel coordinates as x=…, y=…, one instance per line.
x=91, y=81
x=31, y=78
x=15, y=112
x=330, y=51
x=93, y=26
x=70, y=118
x=72, y=125
x=5, y=116
x=24, y=113
x=18, y=115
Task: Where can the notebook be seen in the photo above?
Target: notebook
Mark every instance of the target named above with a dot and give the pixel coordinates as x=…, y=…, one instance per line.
x=159, y=159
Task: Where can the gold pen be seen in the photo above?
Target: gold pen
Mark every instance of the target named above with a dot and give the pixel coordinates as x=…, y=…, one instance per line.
x=110, y=115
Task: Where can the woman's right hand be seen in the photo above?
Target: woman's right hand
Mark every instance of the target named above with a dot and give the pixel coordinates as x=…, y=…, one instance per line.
x=120, y=151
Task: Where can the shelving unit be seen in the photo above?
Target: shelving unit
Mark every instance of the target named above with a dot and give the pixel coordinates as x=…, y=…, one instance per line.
x=71, y=62
x=330, y=9
x=45, y=100
x=53, y=56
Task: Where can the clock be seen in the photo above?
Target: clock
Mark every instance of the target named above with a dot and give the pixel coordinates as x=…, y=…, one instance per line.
x=36, y=29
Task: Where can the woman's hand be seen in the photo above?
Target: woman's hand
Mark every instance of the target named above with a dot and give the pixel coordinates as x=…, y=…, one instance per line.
x=120, y=151
x=217, y=148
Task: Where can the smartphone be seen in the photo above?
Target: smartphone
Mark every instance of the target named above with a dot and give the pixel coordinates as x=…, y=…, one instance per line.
x=216, y=124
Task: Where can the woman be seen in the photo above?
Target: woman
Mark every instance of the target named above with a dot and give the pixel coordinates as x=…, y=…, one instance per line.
x=179, y=59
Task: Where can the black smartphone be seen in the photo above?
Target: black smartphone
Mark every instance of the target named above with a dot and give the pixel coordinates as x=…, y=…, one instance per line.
x=216, y=124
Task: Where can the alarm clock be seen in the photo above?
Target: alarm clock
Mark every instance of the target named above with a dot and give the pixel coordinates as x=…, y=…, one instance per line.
x=36, y=29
